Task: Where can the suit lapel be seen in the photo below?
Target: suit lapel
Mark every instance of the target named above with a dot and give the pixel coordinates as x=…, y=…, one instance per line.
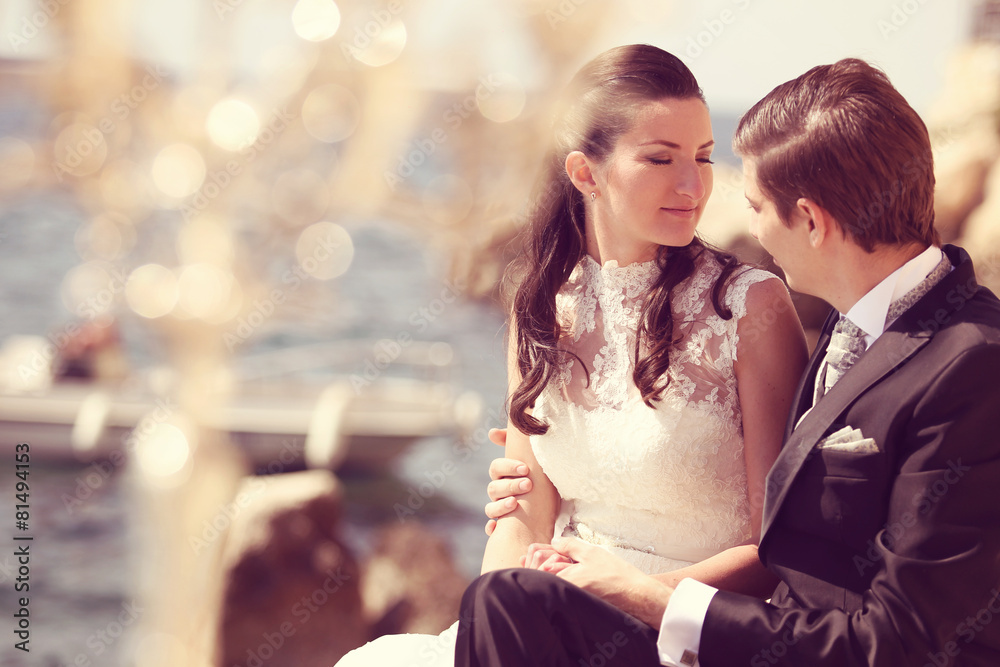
x=891, y=350
x=804, y=394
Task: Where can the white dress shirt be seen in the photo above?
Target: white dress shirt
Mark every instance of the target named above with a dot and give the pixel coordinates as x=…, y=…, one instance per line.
x=680, y=630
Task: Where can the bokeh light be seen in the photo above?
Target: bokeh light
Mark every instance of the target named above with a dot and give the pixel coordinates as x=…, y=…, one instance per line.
x=152, y=291
x=178, y=170
x=384, y=46
x=203, y=291
x=91, y=289
x=324, y=250
x=501, y=97
x=331, y=113
x=162, y=451
x=80, y=150
x=107, y=237
x=316, y=20
x=232, y=124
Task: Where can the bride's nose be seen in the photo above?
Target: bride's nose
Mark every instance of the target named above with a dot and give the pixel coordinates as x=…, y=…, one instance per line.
x=691, y=181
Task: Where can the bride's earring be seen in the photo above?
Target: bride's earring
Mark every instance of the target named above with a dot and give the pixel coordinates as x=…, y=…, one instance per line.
x=593, y=196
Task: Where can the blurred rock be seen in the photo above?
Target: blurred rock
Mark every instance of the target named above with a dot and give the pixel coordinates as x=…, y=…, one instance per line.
x=982, y=234
x=963, y=124
x=291, y=588
x=971, y=89
x=961, y=170
x=410, y=583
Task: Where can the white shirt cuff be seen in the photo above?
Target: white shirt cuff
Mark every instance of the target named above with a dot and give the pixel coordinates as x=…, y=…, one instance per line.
x=680, y=630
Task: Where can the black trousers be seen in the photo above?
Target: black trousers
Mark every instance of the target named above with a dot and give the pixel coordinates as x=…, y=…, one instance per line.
x=522, y=618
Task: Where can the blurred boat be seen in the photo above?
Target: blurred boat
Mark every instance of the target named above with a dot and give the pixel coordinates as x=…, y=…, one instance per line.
x=285, y=408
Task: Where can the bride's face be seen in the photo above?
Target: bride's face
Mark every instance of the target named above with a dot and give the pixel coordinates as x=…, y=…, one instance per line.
x=654, y=185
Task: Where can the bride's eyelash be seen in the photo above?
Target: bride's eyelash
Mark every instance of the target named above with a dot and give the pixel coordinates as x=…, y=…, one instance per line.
x=703, y=160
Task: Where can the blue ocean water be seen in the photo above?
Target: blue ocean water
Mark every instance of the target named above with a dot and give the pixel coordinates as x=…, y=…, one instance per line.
x=84, y=568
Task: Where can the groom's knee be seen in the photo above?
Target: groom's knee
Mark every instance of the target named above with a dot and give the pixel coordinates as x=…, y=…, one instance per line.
x=508, y=588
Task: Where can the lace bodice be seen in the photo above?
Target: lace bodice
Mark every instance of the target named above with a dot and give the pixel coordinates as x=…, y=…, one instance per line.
x=666, y=486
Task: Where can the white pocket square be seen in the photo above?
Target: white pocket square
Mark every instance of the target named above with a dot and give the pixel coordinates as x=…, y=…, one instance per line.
x=847, y=439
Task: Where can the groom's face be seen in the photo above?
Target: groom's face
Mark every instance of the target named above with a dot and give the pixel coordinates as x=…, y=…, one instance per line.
x=787, y=244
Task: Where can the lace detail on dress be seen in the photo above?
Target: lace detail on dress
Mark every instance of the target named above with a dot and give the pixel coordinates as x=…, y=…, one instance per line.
x=669, y=481
x=607, y=299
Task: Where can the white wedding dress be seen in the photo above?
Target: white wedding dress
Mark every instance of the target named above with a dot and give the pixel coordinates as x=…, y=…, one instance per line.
x=662, y=488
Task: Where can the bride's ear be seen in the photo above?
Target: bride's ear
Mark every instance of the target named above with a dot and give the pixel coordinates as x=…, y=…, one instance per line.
x=580, y=172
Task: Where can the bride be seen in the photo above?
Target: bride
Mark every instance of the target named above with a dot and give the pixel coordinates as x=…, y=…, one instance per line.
x=649, y=374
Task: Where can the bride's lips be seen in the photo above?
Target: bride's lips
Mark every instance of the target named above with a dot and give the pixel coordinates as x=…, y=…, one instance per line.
x=682, y=212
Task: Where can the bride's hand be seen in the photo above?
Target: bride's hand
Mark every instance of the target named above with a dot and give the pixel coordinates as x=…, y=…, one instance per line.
x=509, y=481
x=545, y=558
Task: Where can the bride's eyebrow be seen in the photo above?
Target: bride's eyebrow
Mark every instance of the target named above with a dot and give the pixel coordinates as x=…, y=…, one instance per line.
x=670, y=144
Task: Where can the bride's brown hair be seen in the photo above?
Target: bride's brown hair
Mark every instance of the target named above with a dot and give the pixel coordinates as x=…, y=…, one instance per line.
x=597, y=108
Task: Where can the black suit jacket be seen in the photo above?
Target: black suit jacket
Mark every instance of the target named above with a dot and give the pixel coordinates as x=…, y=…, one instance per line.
x=889, y=556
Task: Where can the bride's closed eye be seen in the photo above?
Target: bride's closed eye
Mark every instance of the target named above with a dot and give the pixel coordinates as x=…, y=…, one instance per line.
x=661, y=161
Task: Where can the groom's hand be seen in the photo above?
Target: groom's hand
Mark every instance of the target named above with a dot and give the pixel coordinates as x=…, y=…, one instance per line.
x=510, y=479
x=610, y=578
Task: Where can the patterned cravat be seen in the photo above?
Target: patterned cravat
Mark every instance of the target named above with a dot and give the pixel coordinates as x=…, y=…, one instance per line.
x=847, y=342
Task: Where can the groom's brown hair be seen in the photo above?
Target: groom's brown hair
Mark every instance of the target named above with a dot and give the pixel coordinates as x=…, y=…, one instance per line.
x=842, y=136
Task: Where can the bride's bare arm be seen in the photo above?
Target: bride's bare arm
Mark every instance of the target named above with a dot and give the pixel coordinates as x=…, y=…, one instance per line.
x=534, y=518
x=770, y=358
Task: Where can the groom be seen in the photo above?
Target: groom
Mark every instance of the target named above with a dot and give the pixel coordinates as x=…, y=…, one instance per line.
x=882, y=512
